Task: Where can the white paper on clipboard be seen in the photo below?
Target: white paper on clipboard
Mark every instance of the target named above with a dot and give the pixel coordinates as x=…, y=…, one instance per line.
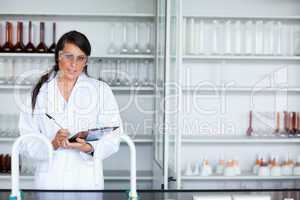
x=97, y=134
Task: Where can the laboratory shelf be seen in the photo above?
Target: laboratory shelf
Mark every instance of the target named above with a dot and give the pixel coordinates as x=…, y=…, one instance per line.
x=248, y=17
x=109, y=175
x=239, y=139
x=126, y=56
x=196, y=89
x=244, y=176
x=76, y=15
x=126, y=88
x=114, y=88
x=238, y=57
x=51, y=55
x=125, y=175
x=15, y=87
x=138, y=139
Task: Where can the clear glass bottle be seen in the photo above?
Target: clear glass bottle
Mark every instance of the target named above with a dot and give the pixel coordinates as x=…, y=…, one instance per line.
x=268, y=35
x=297, y=40
x=277, y=38
x=149, y=47
x=249, y=38
x=259, y=39
x=112, y=49
x=237, y=28
x=191, y=45
x=136, y=49
x=228, y=37
x=125, y=49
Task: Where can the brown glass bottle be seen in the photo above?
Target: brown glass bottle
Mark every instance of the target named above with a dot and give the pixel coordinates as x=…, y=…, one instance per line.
x=0, y=49
x=19, y=46
x=297, y=123
x=277, y=128
x=293, y=128
x=8, y=164
x=30, y=48
x=1, y=163
x=53, y=45
x=250, y=129
x=286, y=121
x=5, y=163
x=42, y=47
x=8, y=46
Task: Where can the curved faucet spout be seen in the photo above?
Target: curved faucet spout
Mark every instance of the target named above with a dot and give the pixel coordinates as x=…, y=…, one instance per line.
x=128, y=140
x=15, y=186
x=133, y=193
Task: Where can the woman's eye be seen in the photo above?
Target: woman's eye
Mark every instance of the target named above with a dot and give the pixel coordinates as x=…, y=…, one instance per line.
x=81, y=58
x=69, y=56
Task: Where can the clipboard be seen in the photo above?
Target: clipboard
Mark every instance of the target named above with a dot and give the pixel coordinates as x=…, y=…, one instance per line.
x=93, y=134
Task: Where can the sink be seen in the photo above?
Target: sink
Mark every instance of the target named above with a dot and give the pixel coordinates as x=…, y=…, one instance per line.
x=212, y=197
x=251, y=197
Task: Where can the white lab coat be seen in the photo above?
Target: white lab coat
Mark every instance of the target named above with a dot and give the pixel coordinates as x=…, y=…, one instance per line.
x=90, y=105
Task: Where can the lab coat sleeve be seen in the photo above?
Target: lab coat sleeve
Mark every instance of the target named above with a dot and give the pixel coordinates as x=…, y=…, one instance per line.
x=109, y=115
x=29, y=124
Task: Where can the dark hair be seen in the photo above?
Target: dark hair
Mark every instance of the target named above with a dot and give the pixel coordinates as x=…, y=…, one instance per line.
x=73, y=37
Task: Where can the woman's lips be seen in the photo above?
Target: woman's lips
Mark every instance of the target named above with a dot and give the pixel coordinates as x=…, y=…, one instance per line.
x=71, y=71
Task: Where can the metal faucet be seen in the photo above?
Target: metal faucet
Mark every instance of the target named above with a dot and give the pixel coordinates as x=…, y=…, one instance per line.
x=97, y=162
x=15, y=193
x=132, y=194
x=15, y=186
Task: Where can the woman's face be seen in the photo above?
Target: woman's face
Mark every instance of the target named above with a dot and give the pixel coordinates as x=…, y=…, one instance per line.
x=71, y=61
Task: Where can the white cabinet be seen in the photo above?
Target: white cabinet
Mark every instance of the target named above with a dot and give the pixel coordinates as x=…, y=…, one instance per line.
x=233, y=57
x=214, y=62
x=131, y=74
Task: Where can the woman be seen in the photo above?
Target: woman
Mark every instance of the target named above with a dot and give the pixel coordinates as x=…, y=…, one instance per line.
x=77, y=103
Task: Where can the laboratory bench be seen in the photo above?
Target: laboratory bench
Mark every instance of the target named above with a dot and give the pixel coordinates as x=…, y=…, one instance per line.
x=269, y=194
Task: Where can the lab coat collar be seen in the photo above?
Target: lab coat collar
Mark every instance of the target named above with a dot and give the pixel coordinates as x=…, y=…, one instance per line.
x=53, y=95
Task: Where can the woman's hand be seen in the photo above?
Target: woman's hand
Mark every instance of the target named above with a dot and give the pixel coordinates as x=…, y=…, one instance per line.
x=80, y=144
x=61, y=135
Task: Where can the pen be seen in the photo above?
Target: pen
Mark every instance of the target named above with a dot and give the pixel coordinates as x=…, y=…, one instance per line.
x=60, y=126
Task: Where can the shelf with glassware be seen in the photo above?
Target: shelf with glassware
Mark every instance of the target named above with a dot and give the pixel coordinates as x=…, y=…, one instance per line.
x=217, y=77
x=263, y=127
x=243, y=176
x=114, y=88
x=27, y=169
x=188, y=140
x=124, y=38
x=110, y=175
x=125, y=75
x=52, y=15
x=239, y=57
x=245, y=17
x=93, y=57
x=245, y=38
x=137, y=139
x=122, y=60
x=9, y=131
x=197, y=89
x=264, y=168
x=231, y=61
